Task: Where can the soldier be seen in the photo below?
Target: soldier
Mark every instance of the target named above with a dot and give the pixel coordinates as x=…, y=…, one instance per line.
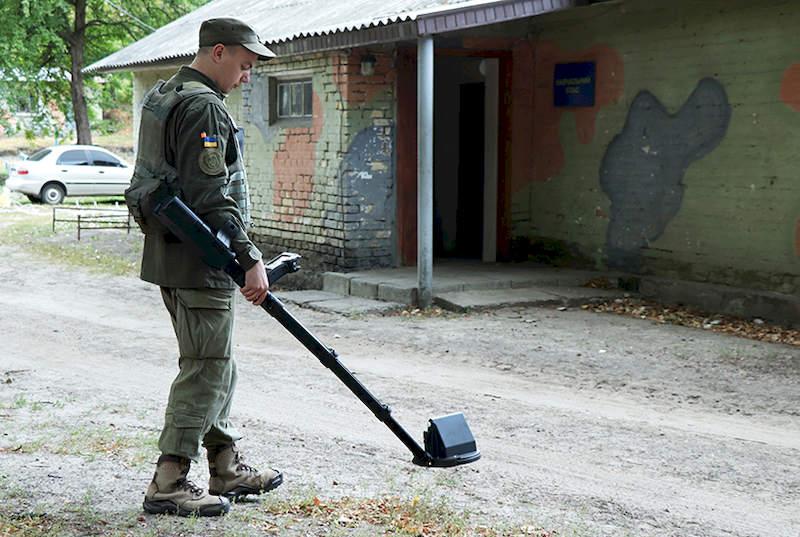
x=188, y=142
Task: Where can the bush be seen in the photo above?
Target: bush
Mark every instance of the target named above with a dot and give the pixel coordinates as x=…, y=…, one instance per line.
x=106, y=126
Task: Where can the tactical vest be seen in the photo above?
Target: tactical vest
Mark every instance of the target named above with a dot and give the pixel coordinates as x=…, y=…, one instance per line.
x=152, y=172
x=237, y=187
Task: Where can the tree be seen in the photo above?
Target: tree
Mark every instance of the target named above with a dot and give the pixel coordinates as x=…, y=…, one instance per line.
x=44, y=45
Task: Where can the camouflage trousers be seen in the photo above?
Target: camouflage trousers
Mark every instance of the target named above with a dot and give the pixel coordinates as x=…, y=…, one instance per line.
x=201, y=394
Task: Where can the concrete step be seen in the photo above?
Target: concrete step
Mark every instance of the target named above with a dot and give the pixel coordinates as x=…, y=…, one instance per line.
x=400, y=285
x=336, y=303
x=463, y=301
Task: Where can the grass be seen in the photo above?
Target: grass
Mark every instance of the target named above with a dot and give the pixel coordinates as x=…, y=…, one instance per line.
x=10, y=490
x=29, y=525
x=421, y=515
x=90, y=442
x=99, y=433
x=104, y=251
x=19, y=401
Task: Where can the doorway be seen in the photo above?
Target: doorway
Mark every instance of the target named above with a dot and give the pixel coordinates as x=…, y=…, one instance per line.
x=459, y=158
x=467, y=170
x=469, y=212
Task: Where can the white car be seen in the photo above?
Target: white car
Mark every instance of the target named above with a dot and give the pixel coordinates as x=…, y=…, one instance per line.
x=69, y=170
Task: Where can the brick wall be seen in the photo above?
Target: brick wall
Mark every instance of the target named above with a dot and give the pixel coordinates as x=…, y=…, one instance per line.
x=686, y=166
x=324, y=187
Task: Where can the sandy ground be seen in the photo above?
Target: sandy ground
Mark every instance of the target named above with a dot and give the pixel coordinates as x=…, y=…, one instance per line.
x=589, y=424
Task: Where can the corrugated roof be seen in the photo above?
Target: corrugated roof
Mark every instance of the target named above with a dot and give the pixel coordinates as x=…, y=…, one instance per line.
x=468, y=16
x=280, y=21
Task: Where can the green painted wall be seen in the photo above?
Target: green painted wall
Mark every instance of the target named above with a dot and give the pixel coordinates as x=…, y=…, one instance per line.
x=737, y=223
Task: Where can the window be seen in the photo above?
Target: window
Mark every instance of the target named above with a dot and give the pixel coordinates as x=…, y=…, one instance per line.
x=294, y=99
x=101, y=158
x=76, y=157
x=39, y=155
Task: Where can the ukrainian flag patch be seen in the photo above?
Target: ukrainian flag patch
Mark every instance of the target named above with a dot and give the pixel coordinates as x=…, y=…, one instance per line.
x=209, y=141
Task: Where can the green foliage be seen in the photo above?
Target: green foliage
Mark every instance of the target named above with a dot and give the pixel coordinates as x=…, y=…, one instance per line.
x=41, y=42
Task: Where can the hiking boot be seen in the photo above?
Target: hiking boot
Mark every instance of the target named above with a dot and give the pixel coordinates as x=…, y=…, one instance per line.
x=231, y=478
x=171, y=492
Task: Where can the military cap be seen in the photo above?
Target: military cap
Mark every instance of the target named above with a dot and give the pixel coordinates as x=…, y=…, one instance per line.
x=229, y=31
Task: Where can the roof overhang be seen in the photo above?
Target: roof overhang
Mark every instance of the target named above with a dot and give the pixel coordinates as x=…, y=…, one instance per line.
x=397, y=28
x=441, y=20
x=390, y=33
x=461, y=18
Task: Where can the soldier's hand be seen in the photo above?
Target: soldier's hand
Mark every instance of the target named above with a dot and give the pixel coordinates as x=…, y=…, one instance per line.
x=256, y=284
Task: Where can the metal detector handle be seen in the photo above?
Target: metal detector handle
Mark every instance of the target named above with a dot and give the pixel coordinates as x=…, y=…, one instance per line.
x=281, y=265
x=181, y=221
x=212, y=248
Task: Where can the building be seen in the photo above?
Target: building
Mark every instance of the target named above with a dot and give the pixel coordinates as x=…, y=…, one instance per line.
x=649, y=136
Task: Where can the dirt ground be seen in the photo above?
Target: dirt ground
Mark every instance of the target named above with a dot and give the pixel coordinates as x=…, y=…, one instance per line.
x=589, y=424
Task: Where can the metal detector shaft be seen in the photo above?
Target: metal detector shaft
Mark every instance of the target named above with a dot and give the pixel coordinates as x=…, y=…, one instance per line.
x=327, y=357
x=184, y=224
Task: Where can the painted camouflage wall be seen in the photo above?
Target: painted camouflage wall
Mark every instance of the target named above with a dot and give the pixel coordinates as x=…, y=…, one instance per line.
x=325, y=189
x=687, y=166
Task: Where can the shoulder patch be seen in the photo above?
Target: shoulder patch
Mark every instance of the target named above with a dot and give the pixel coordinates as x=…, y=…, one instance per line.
x=209, y=141
x=212, y=161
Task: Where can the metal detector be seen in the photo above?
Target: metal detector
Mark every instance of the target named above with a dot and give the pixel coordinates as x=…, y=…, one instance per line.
x=448, y=440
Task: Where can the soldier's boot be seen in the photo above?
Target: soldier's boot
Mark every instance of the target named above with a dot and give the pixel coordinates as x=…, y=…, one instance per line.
x=171, y=492
x=231, y=478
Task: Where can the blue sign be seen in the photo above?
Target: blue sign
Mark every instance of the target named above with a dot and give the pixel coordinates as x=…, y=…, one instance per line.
x=573, y=84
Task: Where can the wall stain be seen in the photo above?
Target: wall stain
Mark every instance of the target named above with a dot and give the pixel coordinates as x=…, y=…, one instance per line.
x=255, y=98
x=643, y=169
x=366, y=172
x=790, y=87
x=548, y=159
x=294, y=164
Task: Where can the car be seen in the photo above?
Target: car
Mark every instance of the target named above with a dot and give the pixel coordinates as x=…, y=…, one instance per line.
x=51, y=174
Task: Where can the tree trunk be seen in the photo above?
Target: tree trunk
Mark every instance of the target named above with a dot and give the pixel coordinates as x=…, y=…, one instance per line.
x=76, y=51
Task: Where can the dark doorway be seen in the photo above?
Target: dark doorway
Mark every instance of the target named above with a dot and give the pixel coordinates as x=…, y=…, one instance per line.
x=460, y=151
x=469, y=214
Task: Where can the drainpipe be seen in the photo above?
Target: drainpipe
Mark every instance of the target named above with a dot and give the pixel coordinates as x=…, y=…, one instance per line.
x=425, y=171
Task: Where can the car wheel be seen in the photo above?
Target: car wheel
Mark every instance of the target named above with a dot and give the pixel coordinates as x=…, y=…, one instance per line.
x=33, y=199
x=53, y=194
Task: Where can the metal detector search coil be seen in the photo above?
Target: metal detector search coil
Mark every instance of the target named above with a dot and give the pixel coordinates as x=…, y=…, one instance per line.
x=448, y=440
